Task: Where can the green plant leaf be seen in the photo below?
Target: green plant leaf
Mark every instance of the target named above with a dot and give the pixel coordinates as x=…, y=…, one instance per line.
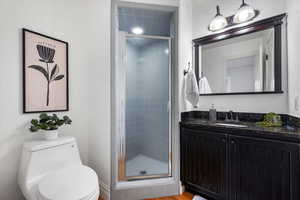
x=44, y=116
x=54, y=71
x=67, y=120
x=35, y=122
x=60, y=122
x=59, y=77
x=40, y=69
x=44, y=126
x=34, y=129
x=49, y=122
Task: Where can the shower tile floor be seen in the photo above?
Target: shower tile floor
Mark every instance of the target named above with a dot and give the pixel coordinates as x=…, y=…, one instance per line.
x=141, y=164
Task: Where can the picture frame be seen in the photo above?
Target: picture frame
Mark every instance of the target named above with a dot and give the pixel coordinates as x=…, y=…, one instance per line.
x=45, y=73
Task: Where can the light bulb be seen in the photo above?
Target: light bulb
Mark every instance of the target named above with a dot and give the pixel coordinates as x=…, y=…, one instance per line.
x=137, y=30
x=219, y=22
x=244, y=14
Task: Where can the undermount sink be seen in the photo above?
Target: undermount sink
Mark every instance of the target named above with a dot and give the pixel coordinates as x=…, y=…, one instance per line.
x=232, y=125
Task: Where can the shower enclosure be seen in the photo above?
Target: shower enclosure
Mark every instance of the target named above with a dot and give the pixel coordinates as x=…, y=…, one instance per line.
x=145, y=112
x=145, y=145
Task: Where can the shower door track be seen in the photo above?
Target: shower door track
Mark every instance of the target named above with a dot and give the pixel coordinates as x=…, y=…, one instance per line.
x=122, y=149
x=148, y=36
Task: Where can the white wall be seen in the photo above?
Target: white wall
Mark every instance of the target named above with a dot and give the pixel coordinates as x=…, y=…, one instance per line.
x=100, y=86
x=185, y=48
x=81, y=24
x=203, y=12
x=293, y=8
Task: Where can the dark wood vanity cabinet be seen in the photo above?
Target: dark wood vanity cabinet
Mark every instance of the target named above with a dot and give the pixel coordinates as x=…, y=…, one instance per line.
x=223, y=166
x=263, y=169
x=204, y=162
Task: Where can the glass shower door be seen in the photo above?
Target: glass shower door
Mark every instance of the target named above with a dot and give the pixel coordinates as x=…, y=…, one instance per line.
x=147, y=141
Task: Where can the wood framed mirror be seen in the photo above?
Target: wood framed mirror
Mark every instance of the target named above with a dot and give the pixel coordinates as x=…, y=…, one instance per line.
x=242, y=60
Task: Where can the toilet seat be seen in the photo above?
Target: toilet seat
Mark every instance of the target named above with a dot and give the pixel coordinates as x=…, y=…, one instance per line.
x=71, y=183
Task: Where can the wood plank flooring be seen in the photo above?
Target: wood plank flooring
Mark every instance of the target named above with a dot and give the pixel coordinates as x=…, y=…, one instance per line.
x=184, y=196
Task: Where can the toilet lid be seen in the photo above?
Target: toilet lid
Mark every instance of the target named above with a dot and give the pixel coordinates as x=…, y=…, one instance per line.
x=70, y=183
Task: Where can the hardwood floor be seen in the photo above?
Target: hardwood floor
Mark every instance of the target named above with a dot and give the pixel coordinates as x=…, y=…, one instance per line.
x=184, y=196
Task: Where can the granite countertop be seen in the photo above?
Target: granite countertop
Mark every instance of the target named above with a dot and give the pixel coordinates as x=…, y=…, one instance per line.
x=285, y=133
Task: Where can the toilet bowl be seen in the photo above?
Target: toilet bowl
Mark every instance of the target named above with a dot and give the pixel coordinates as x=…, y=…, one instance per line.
x=52, y=170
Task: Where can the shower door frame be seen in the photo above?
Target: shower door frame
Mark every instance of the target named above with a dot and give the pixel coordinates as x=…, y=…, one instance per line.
x=122, y=147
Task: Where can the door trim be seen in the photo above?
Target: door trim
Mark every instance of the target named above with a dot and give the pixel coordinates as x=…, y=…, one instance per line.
x=149, y=188
x=122, y=145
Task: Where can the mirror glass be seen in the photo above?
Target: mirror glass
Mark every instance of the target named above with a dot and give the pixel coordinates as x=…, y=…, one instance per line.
x=238, y=65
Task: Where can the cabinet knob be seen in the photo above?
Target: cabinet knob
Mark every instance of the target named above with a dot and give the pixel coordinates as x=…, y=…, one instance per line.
x=223, y=140
x=232, y=142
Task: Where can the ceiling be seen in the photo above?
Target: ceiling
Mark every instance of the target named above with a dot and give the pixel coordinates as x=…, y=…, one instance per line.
x=154, y=22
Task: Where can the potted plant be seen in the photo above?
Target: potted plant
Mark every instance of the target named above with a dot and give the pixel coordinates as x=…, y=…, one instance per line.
x=271, y=120
x=49, y=125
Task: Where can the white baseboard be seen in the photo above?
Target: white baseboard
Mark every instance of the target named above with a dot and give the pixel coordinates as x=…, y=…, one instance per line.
x=181, y=188
x=104, y=191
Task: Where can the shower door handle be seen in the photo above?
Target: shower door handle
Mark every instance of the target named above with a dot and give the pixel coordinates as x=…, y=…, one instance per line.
x=169, y=106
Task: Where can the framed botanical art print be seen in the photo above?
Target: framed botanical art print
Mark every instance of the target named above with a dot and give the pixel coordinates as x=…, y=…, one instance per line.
x=45, y=71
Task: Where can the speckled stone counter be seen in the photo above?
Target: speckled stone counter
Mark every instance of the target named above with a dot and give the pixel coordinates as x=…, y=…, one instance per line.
x=289, y=132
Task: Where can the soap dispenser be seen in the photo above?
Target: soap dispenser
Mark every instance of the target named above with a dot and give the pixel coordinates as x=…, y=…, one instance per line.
x=212, y=113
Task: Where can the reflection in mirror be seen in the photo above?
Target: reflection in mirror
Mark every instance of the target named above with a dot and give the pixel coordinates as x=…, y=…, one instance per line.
x=238, y=65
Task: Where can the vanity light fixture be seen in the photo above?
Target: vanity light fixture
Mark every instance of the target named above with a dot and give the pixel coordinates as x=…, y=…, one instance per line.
x=244, y=14
x=137, y=30
x=219, y=22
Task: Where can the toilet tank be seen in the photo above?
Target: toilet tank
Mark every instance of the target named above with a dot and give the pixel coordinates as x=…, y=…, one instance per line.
x=40, y=157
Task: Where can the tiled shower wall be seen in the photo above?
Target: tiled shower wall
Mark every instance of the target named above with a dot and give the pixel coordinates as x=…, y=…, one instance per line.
x=133, y=104
x=147, y=95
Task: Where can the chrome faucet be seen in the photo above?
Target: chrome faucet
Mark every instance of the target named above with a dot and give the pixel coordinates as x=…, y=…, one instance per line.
x=230, y=116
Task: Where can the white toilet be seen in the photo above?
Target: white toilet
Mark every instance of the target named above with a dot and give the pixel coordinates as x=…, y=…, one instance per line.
x=52, y=170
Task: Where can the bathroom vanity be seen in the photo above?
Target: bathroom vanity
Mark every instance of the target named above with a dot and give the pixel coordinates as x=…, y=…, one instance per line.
x=240, y=161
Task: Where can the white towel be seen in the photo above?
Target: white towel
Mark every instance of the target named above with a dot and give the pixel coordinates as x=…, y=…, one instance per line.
x=191, y=88
x=198, y=198
x=204, y=87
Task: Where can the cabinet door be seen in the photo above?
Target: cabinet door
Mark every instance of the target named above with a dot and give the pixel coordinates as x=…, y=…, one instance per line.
x=263, y=169
x=204, y=163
